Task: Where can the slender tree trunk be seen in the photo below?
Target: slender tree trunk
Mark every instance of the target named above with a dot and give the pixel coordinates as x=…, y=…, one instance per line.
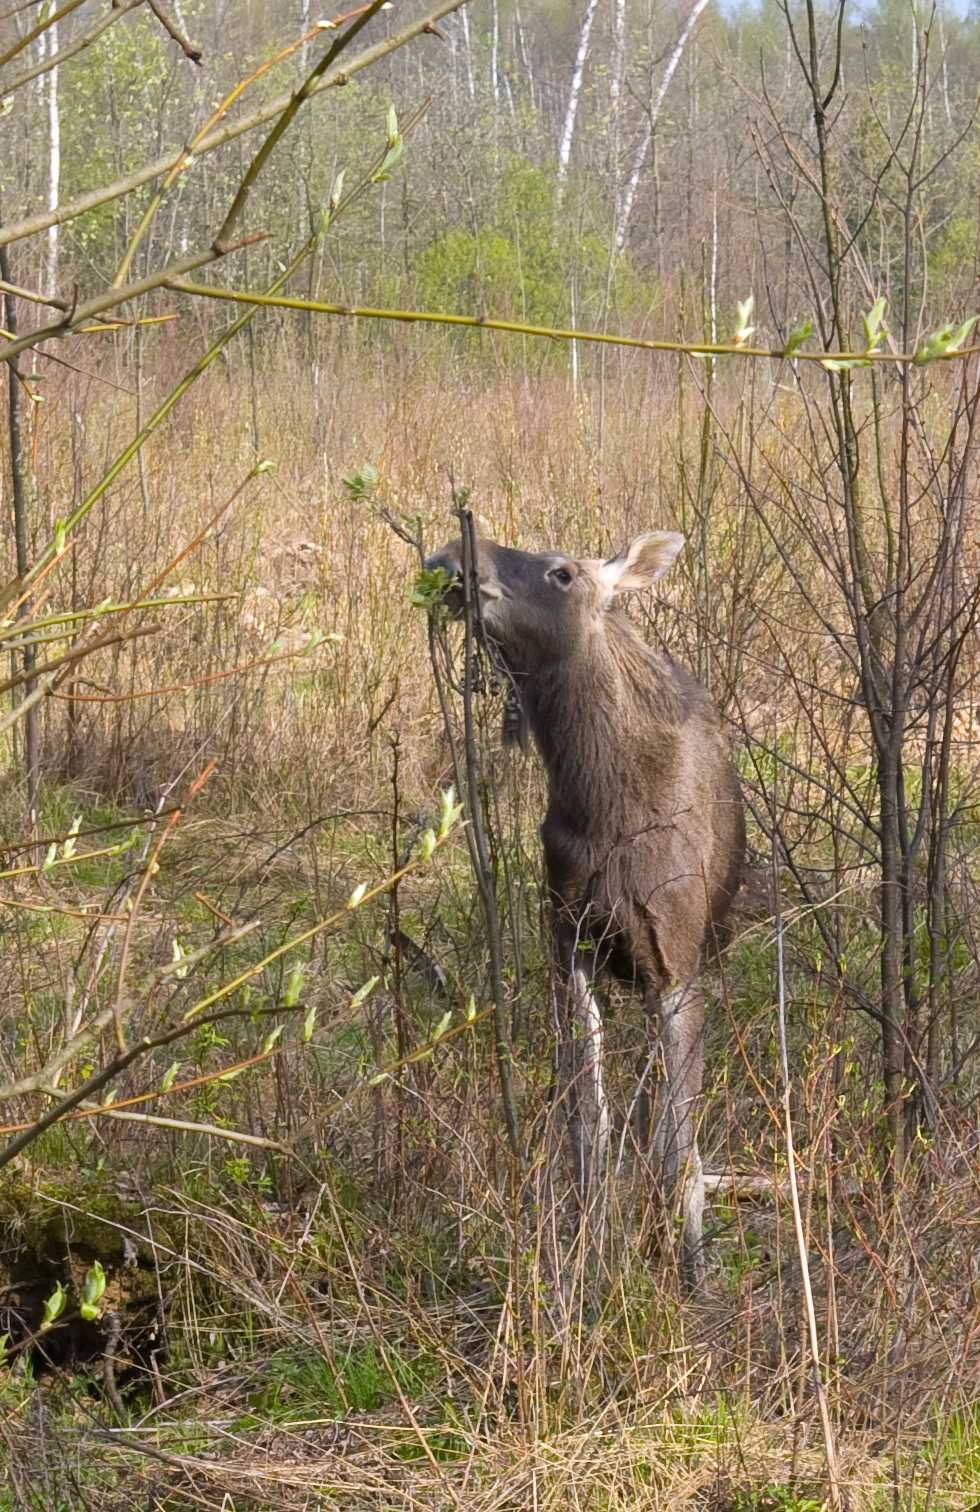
x=20, y=478
x=640, y=157
x=575, y=90
x=495, y=53
x=524, y=55
x=54, y=163
x=464, y=17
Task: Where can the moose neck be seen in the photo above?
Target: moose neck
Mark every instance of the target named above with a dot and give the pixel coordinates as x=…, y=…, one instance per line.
x=585, y=711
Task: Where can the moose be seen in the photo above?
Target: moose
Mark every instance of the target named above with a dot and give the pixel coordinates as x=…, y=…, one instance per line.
x=643, y=836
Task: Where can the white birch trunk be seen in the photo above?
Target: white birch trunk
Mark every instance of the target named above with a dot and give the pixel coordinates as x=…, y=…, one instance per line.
x=626, y=208
x=470, y=83
x=54, y=162
x=615, y=104
x=945, y=70
x=578, y=73
x=523, y=54
x=495, y=54
x=304, y=26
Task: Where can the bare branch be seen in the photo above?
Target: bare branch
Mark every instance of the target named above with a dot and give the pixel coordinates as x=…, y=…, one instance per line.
x=172, y=30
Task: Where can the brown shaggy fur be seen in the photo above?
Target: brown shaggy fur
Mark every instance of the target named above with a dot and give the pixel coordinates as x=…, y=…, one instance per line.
x=644, y=833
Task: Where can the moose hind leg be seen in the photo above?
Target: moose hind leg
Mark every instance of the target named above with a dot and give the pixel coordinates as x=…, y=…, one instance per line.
x=675, y=1149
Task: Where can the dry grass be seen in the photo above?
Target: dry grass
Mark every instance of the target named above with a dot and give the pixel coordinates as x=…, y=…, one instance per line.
x=391, y=1316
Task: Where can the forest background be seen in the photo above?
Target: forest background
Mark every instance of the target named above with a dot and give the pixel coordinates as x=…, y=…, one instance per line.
x=265, y=1239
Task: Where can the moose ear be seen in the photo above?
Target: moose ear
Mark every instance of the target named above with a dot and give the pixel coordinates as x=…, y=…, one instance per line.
x=646, y=558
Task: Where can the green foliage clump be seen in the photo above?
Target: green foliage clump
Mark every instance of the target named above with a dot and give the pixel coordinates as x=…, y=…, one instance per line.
x=523, y=265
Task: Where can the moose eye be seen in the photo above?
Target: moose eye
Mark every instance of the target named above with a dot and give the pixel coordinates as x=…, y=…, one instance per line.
x=561, y=575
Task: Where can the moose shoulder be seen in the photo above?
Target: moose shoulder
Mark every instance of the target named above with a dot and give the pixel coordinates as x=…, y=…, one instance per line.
x=644, y=832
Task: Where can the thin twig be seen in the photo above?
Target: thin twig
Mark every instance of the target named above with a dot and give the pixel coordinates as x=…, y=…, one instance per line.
x=173, y=31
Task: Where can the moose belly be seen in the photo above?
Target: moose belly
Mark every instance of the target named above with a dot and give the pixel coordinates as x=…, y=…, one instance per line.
x=640, y=907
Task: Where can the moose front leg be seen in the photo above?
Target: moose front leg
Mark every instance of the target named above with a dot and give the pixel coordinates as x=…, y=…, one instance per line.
x=583, y=1087
x=680, y=1016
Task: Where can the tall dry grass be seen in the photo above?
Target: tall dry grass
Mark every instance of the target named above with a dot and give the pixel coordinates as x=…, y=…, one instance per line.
x=392, y=1315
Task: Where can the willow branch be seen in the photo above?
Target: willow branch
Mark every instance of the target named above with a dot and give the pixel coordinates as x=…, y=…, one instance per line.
x=555, y=333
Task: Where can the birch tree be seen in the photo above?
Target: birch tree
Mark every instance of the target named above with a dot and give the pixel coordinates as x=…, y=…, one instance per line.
x=574, y=93
x=625, y=209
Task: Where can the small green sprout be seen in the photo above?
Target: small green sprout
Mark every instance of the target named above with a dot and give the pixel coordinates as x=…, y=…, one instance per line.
x=393, y=149
x=364, y=991
x=362, y=482
x=53, y=1308
x=945, y=342
x=271, y=1039
x=797, y=336
x=449, y=812
x=743, y=314
x=294, y=985
x=92, y=1288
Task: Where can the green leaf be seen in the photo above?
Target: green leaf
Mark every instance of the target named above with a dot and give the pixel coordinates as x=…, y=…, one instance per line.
x=170, y=1076
x=470, y=1009
x=69, y=846
x=449, y=812
x=179, y=954
x=388, y=162
x=54, y=1307
x=427, y=845
x=92, y=1288
x=743, y=314
x=430, y=588
x=357, y=895
x=270, y=1040
x=962, y=334
x=844, y=364
x=872, y=323
x=362, y=481
x=945, y=341
x=294, y=985
x=309, y=1023
x=442, y=1026
x=797, y=336
x=391, y=123
x=364, y=991
x=59, y=537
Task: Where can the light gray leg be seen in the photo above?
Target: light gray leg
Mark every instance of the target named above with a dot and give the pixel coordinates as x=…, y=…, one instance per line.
x=590, y=1077
x=675, y=1150
x=582, y=1077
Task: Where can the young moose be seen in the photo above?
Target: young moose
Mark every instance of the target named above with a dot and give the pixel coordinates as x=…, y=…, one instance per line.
x=644, y=833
